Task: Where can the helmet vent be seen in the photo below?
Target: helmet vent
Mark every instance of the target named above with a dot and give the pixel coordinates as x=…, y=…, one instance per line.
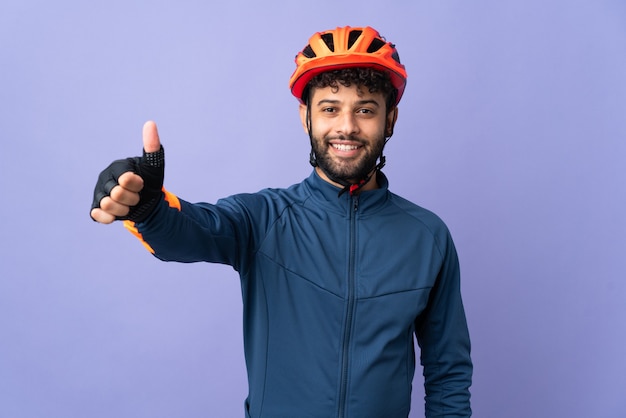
x=375, y=45
x=328, y=39
x=308, y=52
x=395, y=56
x=353, y=36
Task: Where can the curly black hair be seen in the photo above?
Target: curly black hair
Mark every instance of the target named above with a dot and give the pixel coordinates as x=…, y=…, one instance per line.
x=374, y=80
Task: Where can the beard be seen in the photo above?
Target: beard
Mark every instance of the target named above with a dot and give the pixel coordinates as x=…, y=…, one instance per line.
x=347, y=170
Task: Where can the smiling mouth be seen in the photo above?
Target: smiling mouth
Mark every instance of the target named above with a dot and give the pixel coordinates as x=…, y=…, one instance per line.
x=345, y=147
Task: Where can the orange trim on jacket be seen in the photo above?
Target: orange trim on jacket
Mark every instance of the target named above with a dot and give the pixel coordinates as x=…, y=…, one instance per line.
x=172, y=201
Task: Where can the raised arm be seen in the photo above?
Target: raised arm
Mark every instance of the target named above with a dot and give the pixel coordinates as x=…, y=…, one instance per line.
x=131, y=190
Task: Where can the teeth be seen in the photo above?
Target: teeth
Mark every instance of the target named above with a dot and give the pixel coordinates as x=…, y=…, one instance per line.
x=344, y=147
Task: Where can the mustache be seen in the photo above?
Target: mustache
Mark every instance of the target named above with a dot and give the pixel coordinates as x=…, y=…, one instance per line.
x=351, y=138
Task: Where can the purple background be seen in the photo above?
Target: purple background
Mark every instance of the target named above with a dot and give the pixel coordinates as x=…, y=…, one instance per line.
x=512, y=129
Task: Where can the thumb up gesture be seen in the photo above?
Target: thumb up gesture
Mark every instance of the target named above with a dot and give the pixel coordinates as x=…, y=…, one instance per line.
x=130, y=189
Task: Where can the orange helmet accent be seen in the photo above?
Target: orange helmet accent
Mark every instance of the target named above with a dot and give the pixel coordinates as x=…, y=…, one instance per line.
x=345, y=48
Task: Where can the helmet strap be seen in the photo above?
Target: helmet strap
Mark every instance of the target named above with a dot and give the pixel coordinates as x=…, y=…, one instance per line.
x=312, y=158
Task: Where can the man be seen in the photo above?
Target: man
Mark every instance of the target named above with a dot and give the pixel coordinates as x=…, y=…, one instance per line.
x=337, y=273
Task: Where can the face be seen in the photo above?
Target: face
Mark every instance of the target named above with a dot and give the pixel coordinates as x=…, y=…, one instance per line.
x=349, y=127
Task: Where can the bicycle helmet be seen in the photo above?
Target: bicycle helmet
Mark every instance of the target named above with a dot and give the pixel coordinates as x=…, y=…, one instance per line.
x=344, y=48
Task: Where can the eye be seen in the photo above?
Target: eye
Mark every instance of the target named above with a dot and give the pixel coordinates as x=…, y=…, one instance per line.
x=366, y=111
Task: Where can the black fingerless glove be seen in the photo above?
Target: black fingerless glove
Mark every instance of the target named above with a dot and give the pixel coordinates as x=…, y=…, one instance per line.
x=150, y=167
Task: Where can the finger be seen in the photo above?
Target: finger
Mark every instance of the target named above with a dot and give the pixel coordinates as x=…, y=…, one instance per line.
x=112, y=207
x=151, y=141
x=101, y=216
x=130, y=181
x=126, y=197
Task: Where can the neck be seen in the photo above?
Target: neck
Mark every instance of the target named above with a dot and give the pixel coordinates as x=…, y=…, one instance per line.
x=370, y=185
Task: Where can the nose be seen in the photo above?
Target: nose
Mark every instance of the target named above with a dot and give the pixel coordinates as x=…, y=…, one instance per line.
x=347, y=124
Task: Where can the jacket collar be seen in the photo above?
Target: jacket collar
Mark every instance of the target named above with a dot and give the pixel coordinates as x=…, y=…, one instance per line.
x=326, y=195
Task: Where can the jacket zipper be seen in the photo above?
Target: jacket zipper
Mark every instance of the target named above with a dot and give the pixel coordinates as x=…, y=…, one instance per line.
x=343, y=390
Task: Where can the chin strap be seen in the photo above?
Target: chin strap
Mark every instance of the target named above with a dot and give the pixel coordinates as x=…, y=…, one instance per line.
x=355, y=187
x=347, y=186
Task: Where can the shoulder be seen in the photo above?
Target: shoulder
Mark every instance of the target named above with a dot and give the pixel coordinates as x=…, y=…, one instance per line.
x=274, y=200
x=417, y=212
x=415, y=217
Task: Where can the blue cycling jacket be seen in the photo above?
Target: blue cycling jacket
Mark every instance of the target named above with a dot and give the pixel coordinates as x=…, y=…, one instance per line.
x=334, y=289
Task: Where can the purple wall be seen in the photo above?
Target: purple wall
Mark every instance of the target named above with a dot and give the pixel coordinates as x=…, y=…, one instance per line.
x=512, y=129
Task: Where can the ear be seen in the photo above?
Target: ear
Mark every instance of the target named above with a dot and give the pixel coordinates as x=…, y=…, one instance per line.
x=392, y=117
x=303, y=117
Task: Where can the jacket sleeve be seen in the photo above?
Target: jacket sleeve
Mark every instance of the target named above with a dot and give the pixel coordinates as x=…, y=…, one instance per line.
x=443, y=337
x=180, y=231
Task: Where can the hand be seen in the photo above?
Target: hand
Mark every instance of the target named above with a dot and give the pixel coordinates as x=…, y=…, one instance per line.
x=120, y=193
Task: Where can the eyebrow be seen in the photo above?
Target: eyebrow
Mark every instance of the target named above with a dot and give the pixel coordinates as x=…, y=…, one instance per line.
x=358, y=103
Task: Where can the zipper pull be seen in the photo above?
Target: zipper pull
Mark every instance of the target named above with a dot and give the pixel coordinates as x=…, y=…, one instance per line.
x=355, y=202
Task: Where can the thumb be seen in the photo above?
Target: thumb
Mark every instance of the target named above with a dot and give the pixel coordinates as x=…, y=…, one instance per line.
x=151, y=141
